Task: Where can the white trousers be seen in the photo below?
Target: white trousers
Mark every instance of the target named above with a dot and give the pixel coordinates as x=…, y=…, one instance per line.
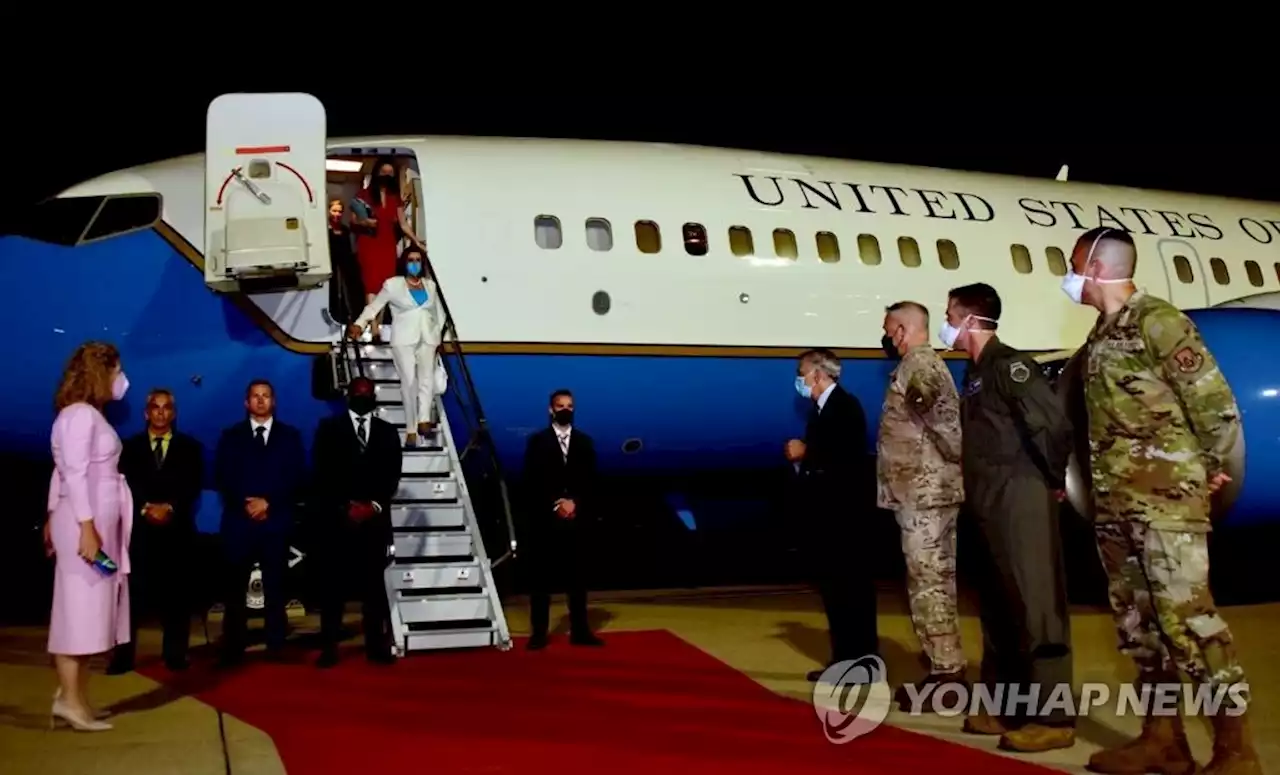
x=416, y=364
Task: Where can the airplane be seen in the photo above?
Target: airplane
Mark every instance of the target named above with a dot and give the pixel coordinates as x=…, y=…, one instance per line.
x=669, y=287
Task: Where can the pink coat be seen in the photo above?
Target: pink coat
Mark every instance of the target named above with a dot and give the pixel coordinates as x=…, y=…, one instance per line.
x=90, y=611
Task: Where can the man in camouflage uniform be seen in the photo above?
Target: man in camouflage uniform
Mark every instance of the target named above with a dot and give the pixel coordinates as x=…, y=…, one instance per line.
x=1162, y=421
x=1017, y=442
x=919, y=479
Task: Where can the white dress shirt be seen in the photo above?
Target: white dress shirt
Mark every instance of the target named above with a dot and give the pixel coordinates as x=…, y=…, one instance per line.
x=254, y=425
x=824, y=395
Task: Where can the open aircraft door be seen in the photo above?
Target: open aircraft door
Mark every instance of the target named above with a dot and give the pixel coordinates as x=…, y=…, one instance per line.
x=265, y=214
x=1185, y=272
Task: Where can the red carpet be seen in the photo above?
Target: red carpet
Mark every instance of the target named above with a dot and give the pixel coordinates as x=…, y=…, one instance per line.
x=646, y=703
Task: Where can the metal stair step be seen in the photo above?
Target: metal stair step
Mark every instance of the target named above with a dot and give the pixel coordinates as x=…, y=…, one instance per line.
x=411, y=546
x=442, y=575
x=428, y=489
x=468, y=606
x=428, y=516
x=388, y=393
x=382, y=371
x=426, y=462
x=477, y=637
x=431, y=443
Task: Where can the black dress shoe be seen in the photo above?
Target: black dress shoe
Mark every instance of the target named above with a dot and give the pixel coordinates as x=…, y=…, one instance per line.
x=585, y=639
x=536, y=643
x=120, y=667
x=923, y=689
x=328, y=658
x=229, y=660
x=176, y=664
x=383, y=658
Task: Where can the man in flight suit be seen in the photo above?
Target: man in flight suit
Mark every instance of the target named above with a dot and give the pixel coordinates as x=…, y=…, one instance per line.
x=1017, y=441
x=919, y=479
x=1162, y=420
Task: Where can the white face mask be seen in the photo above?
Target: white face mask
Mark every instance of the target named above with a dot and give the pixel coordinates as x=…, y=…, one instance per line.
x=949, y=334
x=1073, y=284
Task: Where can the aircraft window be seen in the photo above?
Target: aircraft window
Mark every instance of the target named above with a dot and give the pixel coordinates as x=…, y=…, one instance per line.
x=79, y=220
x=546, y=232
x=828, y=247
x=599, y=234
x=869, y=249
x=784, y=244
x=909, y=252
x=1021, y=259
x=648, y=237
x=948, y=255
x=1057, y=261
x=1182, y=268
x=1220, y=273
x=695, y=239
x=1254, y=272
x=742, y=246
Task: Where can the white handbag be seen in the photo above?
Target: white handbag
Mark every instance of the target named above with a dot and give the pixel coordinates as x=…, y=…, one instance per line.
x=441, y=377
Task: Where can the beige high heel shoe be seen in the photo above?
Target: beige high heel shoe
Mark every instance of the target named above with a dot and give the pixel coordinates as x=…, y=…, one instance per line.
x=97, y=714
x=74, y=720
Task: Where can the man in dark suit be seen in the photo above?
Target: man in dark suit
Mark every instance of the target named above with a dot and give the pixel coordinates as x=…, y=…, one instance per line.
x=559, y=503
x=260, y=469
x=165, y=470
x=357, y=471
x=830, y=465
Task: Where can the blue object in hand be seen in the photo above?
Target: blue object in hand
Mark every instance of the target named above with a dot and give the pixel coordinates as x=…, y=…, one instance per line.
x=104, y=564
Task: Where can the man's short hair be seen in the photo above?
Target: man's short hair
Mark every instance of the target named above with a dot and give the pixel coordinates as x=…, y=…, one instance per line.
x=914, y=306
x=978, y=299
x=823, y=359
x=556, y=394
x=254, y=383
x=160, y=391
x=360, y=381
x=1108, y=233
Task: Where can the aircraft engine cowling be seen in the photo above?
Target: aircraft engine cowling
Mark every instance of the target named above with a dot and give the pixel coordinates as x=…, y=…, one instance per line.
x=1241, y=340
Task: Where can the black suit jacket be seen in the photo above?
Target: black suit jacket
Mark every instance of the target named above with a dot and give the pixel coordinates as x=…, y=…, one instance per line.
x=177, y=482
x=835, y=460
x=344, y=472
x=548, y=477
x=244, y=469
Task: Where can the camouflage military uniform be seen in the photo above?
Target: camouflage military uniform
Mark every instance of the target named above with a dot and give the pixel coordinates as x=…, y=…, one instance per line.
x=1162, y=420
x=919, y=478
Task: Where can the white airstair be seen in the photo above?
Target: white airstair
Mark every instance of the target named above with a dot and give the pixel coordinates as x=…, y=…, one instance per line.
x=440, y=584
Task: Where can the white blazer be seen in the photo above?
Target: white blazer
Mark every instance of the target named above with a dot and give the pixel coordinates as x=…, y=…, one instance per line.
x=411, y=323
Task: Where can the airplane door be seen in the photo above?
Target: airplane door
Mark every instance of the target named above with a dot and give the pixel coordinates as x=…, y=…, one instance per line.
x=1188, y=285
x=264, y=226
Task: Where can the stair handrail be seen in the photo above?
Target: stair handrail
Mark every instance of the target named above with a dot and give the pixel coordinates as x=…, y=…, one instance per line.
x=344, y=340
x=481, y=433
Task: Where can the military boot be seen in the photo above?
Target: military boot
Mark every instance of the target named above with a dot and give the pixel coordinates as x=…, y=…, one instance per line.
x=1233, y=752
x=924, y=689
x=1037, y=738
x=1162, y=747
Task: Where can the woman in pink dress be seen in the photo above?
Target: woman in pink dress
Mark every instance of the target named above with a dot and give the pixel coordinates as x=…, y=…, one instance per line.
x=90, y=510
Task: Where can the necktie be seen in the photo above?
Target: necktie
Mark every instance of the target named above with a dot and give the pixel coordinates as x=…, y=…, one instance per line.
x=261, y=433
x=564, y=445
x=159, y=452
x=360, y=432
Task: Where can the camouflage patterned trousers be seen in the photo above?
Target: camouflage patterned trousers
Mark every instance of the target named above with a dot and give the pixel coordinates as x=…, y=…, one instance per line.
x=929, y=546
x=1158, y=582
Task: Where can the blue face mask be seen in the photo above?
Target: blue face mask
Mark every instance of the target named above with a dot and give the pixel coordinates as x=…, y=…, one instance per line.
x=803, y=389
x=415, y=268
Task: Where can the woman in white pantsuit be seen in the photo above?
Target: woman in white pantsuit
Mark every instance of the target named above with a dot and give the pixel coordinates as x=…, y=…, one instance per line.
x=417, y=325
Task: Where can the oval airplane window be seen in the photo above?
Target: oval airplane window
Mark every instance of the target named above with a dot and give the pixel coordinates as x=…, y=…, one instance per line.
x=948, y=254
x=742, y=246
x=1021, y=259
x=695, y=239
x=648, y=237
x=784, y=244
x=600, y=303
x=909, y=252
x=1254, y=272
x=546, y=232
x=1182, y=268
x=828, y=247
x=599, y=234
x=1220, y=273
x=869, y=249
x=1057, y=261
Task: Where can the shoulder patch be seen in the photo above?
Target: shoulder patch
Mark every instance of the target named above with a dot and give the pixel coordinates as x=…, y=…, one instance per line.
x=1189, y=361
x=1019, y=372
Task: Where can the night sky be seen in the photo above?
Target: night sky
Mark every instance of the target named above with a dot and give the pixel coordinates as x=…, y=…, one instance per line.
x=1184, y=150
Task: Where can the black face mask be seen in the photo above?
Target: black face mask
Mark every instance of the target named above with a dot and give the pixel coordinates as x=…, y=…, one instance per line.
x=889, y=349
x=386, y=180
x=563, y=417
x=361, y=404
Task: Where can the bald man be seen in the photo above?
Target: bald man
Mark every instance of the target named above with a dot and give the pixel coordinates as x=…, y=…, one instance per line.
x=1162, y=420
x=919, y=479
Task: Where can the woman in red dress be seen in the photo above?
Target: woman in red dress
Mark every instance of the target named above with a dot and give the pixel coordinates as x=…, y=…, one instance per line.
x=380, y=228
